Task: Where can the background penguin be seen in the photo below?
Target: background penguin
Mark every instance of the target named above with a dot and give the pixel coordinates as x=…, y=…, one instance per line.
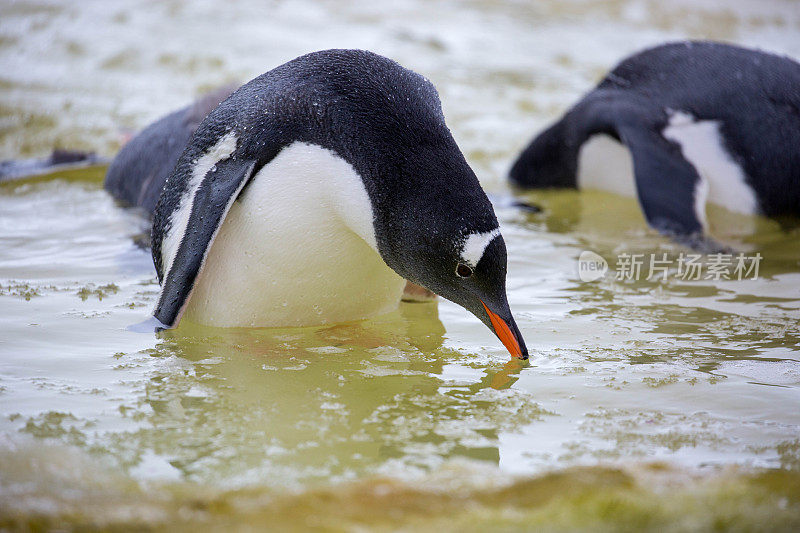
x=138, y=172
x=310, y=193
x=58, y=160
x=701, y=121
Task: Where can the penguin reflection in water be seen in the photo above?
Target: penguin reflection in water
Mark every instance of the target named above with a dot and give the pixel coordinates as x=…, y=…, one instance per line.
x=313, y=192
x=681, y=125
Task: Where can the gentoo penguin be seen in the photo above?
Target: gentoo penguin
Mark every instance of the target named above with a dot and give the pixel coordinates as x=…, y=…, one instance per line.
x=700, y=122
x=310, y=193
x=138, y=172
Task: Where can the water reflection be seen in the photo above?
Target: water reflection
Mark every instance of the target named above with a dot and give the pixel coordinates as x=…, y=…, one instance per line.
x=314, y=403
x=623, y=364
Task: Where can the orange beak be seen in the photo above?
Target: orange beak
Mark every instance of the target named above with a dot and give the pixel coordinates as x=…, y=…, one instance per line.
x=504, y=333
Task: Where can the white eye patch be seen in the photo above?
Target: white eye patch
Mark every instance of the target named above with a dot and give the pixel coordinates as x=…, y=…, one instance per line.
x=475, y=245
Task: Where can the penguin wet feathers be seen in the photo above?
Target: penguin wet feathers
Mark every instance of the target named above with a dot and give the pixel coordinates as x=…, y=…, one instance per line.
x=314, y=191
x=691, y=123
x=137, y=174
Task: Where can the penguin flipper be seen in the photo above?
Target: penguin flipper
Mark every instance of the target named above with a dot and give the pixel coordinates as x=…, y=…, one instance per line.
x=211, y=203
x=666, y=183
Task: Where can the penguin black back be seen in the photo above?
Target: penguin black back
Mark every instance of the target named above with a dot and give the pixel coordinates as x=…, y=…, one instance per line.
x=747, y=100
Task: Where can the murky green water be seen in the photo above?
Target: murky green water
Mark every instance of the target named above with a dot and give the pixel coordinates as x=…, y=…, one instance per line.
x=416, y=417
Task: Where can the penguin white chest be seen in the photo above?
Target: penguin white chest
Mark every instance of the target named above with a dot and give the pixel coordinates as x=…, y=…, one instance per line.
x=606, y=164
x=296, y=249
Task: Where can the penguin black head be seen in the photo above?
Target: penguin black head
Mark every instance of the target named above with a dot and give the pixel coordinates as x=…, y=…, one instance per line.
x=470, y=271
x=431, y=220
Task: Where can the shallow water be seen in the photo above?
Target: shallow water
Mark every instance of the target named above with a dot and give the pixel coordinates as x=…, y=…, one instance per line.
x=700, y=374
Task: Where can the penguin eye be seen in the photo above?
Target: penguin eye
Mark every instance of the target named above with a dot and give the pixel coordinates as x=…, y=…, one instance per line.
x=463, y=271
